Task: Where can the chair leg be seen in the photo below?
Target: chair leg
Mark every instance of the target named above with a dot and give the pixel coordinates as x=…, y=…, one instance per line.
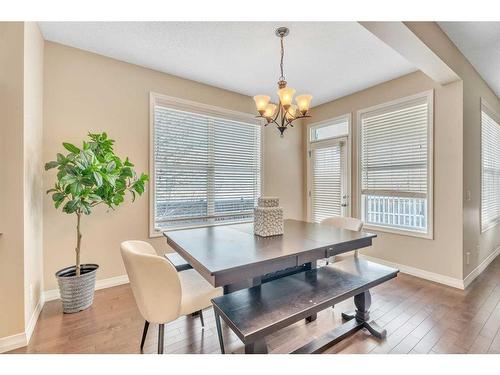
x=219, y=332
x=144, y=333
x=161, y=331
x=200, y=312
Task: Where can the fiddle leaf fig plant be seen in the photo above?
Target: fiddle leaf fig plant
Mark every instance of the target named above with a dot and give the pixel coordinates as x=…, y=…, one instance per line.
x=90, y=176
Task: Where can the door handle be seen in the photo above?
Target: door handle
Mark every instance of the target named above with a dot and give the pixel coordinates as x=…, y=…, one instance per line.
x=343, y=204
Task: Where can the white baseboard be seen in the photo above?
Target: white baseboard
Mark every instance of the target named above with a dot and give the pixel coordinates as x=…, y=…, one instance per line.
x=479, y=269
x=22, y=339
x=427, y=275
x=34, y=318
x=13, y=342
x=53, y=294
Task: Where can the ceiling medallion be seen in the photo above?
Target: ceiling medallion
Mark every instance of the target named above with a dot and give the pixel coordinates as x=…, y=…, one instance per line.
x=284, y=113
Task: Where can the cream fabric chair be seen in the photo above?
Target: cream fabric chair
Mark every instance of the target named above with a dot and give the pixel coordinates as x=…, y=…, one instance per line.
x=343, y=222
x=161, y=293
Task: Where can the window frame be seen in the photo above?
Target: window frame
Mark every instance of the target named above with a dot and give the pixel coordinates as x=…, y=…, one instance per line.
x=309, y=128
x=429, y=234
x=200, y=108
x=488, y=109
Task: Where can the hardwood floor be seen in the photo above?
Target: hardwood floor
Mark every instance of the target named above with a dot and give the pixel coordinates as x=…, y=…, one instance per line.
x=420, y=317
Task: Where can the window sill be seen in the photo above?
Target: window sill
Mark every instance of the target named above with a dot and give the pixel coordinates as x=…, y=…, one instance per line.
x=159, y=233
x=402, y=232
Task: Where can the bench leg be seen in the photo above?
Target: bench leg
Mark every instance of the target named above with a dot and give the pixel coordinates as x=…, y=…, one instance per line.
x=363, y=302
x=219, y=332
x=257, y=347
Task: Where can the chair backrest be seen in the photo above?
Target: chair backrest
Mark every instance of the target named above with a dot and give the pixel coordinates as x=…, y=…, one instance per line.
x=154, y=282
x=343, y=222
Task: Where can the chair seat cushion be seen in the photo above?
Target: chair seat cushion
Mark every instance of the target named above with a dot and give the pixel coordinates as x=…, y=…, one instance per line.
x=196, y=292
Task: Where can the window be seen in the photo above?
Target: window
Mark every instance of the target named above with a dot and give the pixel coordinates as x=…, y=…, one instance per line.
x=206, y=165
x=396, y=165
x=490, y=168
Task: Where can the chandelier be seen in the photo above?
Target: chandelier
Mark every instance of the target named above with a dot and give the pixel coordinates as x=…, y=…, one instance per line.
x=285, y=113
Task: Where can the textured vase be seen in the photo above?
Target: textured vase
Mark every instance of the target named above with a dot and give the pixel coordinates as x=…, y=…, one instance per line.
x=268, y=217
x=77, y=292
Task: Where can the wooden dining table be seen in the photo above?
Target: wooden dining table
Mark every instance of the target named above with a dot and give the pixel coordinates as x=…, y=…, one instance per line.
x=233, y=257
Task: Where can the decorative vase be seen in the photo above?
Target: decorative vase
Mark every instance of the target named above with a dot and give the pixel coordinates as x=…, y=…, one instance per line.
x=268, y=217
x=77, y=292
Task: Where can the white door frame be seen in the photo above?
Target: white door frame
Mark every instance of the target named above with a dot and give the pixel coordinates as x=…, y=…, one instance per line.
x=348, y=160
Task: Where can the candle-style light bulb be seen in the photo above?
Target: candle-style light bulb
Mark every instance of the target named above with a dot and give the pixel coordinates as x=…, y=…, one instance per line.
x=286, y=96
x=304, y=103
x=261, y=102
x=269, y=111
x=291, y=112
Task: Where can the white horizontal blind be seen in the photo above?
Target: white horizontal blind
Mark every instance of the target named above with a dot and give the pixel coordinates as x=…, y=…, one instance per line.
x=326, y=181
x=207, y=168
x=394, y=164
x=490, y=169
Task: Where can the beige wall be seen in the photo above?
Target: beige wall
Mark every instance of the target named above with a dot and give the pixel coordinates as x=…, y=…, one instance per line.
x=11, y=186
x=442, y=255
x=21, y=92
x=87, y=92
x=479, y=245
x=33, y=167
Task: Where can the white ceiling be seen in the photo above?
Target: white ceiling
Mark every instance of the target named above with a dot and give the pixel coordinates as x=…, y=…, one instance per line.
x=326, y=59
x=480, y=44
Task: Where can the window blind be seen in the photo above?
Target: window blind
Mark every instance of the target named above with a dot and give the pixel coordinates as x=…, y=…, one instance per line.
x=394, y=164
x=394, y=150
x=326, y=181
x=490, y=169
x=207, y=168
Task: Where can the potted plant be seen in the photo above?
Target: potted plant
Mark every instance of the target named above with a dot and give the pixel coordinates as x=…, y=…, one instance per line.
x=86, y=178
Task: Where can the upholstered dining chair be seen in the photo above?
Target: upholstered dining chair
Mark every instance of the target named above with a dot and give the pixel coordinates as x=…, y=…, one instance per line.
x=343, y=222
x=162, y=294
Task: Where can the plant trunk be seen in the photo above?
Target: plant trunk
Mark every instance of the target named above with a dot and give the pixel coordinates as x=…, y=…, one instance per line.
x=78, y=243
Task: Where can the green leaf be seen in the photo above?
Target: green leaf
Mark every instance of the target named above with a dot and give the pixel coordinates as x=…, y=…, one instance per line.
x=76, y=188
x=98, y=178
x=86, y=208
x=67, y=179
x=58, y=203
x=71, y=206
x=57, y=197
x=111, y=166
x=71, y=148
x=61, y=158
x=51, y=164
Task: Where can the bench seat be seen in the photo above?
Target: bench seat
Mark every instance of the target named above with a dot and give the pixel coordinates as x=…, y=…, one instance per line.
x=256, y=312
x=178, y=262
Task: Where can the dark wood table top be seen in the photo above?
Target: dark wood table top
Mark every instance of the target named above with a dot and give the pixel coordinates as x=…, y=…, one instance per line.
x=230, y=253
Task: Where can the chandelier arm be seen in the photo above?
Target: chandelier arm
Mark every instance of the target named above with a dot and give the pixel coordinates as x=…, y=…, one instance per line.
x=277, y=112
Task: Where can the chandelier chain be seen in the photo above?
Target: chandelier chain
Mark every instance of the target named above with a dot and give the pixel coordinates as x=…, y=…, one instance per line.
x=282, y=78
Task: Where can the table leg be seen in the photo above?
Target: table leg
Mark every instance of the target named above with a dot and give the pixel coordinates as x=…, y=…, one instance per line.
x=256, y=347
x=363, y=302
x=242, y=285
x=311, y=266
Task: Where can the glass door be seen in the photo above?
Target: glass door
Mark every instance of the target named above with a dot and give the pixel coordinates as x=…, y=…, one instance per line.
x=328, y=193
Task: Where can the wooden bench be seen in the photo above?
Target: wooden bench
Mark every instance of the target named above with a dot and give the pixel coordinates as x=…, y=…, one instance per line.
x=179, y=262
x=259, y=311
